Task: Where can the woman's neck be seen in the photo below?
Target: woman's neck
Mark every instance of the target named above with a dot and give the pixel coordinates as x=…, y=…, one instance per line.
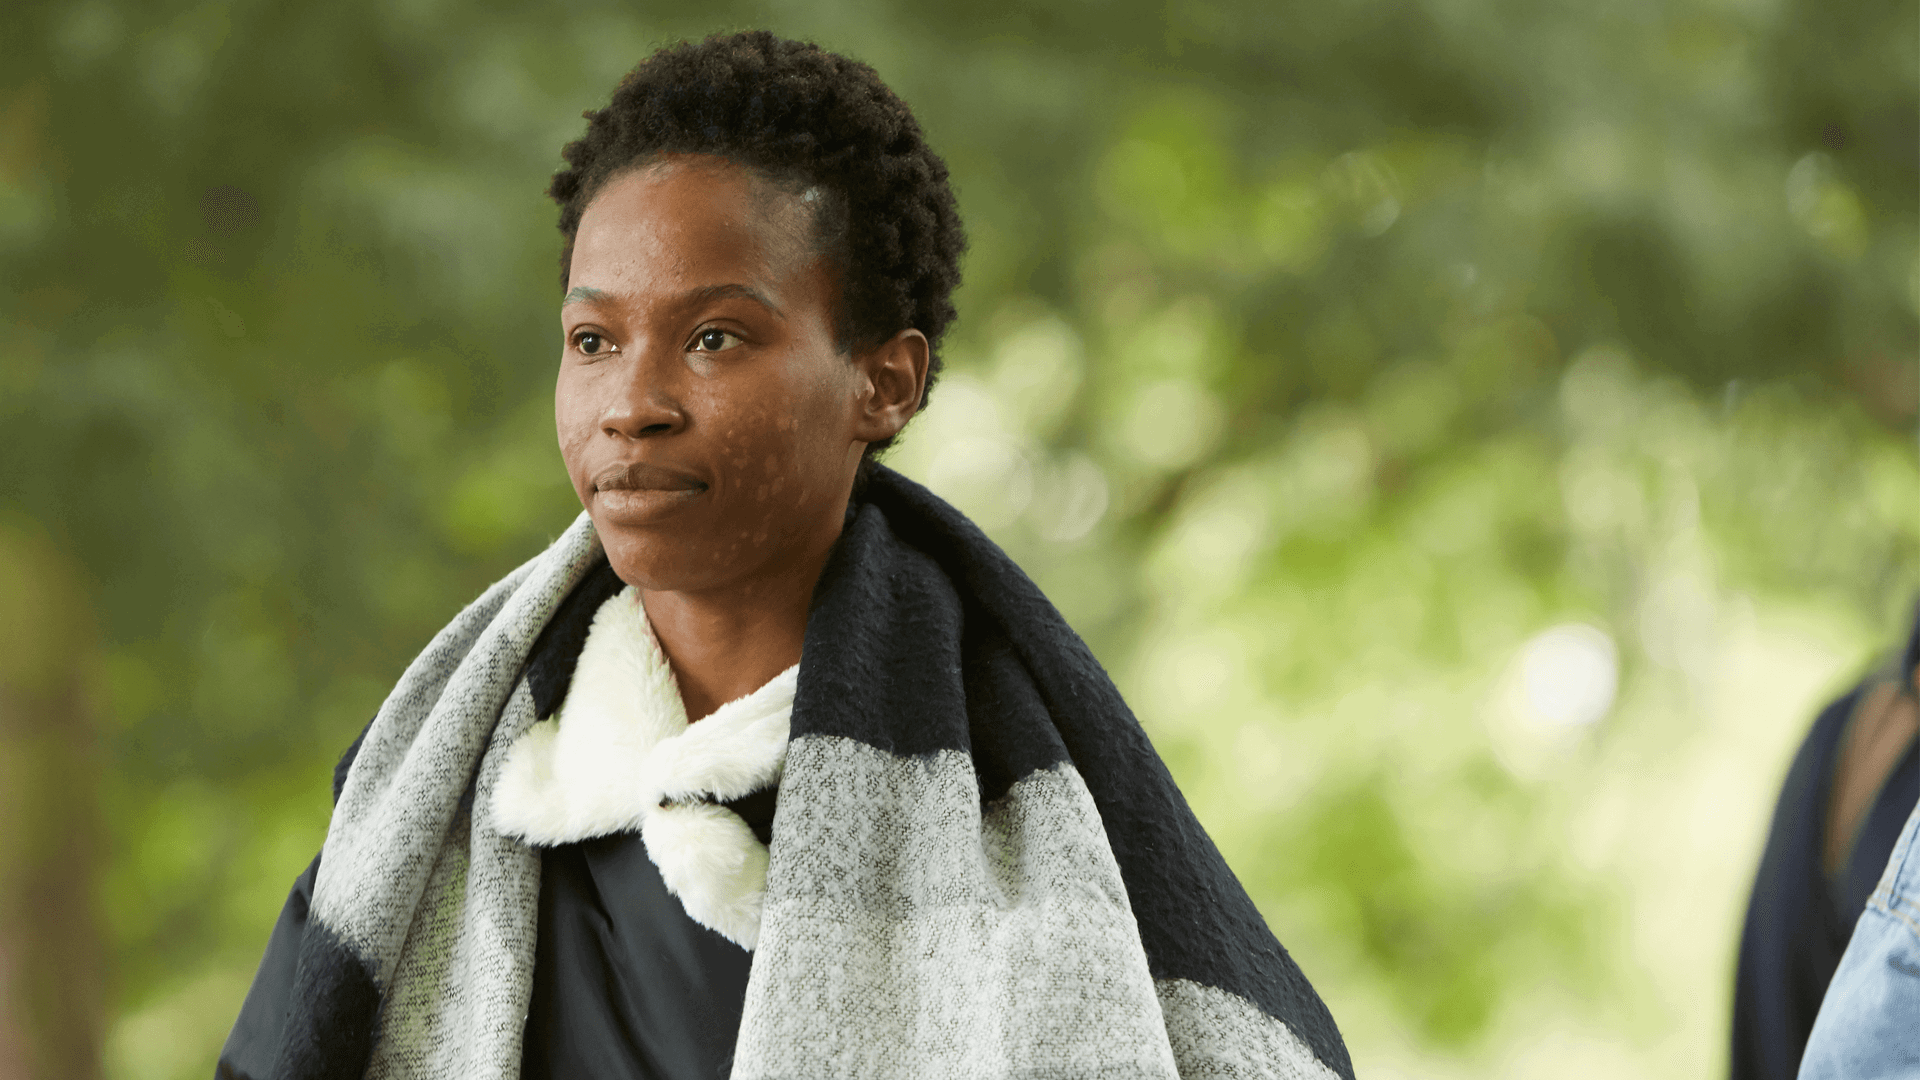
x=726, y=643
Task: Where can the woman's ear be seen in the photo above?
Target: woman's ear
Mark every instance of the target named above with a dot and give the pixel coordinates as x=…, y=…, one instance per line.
x=895, y=377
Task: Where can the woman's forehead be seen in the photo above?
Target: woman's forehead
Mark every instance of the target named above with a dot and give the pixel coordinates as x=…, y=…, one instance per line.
x=689, y=217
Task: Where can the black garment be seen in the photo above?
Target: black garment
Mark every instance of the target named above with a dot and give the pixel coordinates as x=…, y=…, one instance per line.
x=625, y=985
x=1800, y=919
x=255, y=1040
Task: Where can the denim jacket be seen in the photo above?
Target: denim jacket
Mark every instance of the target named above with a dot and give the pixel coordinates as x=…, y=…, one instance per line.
x=1869, y=1022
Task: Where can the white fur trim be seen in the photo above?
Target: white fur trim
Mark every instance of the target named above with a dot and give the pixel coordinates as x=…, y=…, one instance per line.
x=621, y=744
x=711, y=860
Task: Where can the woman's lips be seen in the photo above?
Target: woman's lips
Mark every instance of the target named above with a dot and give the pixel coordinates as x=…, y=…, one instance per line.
x=641, y=476
x=637, y=492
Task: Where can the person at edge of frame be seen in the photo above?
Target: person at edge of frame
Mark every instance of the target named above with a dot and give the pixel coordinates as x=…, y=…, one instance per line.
x=772, y=765
x=1867, y=1028
x=1847, y=796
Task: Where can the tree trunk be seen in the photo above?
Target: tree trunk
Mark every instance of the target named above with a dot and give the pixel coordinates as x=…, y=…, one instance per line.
x=51, y=953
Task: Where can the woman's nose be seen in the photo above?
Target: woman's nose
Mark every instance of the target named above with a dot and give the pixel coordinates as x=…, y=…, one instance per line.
x=645, y=401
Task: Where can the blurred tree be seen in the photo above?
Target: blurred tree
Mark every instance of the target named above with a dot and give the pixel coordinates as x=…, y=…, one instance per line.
x=52, y=963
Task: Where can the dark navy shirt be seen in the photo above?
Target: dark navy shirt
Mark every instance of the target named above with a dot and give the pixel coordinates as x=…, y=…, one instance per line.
x=625, y=985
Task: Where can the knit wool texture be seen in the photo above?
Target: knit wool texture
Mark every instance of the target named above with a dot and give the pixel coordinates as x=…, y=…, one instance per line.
x=979, y=867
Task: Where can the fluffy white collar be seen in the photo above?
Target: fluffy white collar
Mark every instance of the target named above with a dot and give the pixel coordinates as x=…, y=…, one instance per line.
x=620, y=755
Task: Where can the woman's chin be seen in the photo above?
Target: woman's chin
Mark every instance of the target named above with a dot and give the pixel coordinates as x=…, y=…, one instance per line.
x=657, y=560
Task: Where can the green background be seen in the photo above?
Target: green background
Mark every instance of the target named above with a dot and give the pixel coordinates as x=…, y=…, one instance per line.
x=1362, y=379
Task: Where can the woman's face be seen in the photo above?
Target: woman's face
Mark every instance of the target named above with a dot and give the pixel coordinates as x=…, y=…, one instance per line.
x=709, y=424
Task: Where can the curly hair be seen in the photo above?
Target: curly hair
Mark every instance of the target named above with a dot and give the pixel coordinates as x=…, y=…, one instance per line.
x=803, y=118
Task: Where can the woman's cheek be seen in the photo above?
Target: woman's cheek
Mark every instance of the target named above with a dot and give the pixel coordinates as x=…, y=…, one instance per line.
x=573, y=451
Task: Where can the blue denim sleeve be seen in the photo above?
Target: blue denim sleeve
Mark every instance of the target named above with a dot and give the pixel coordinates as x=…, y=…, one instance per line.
x=1869, y=1022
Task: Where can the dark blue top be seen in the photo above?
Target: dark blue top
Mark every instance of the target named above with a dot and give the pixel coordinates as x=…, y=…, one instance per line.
x=625, y=985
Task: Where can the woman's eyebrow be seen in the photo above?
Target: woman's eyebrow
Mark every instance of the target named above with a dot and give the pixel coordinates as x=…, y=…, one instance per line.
x=743, y=292
x=691, y=298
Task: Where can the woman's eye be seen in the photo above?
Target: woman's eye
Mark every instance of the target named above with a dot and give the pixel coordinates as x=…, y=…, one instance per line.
x=714, y=340
x=591, y=343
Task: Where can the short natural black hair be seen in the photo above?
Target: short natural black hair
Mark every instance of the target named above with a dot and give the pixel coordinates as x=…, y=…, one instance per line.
x=804, y=118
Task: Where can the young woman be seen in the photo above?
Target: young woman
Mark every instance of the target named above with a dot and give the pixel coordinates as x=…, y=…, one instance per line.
x=772, y=765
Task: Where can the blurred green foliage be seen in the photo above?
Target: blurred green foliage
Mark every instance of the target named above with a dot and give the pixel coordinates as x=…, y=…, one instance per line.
x=1315, y=360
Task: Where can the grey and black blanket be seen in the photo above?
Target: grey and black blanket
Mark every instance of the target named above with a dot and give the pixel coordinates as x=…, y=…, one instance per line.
x=979, y=867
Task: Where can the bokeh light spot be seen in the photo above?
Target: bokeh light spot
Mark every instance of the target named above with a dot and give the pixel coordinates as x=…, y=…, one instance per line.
x=1569, y=674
